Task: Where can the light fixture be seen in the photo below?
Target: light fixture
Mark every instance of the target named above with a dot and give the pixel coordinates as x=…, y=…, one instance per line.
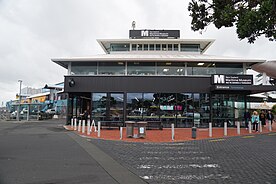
x=165, y=69
x=200, y=64
x=71, y=82
x=168, y=63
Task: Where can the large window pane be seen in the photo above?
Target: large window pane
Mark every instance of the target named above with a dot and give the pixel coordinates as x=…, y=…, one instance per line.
x=111, y=68
x=84, y=68
x=119, y=47
x=170, y=68
x=141, y=68
x=151, y=106
x=201, y=68
x=99, y=103
x=134, y=107
x=116, y=106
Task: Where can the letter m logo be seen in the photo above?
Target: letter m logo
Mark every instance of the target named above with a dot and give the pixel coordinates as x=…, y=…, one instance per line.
x=219, y=79
x=144, y=33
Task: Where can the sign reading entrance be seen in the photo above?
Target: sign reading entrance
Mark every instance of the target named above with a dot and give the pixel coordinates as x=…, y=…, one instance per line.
x=232, y=79
x=138, y=34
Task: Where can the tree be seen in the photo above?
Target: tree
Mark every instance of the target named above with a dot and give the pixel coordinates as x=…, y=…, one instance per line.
x=273, y=110
x=252, y=18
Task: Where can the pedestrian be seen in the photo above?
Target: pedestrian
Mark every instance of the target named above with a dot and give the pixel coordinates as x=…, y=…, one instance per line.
x=247, y=117
x=255, y=120
x=262, y=117
x=269, y=117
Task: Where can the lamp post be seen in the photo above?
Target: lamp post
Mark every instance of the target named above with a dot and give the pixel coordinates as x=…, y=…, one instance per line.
x=18, y=108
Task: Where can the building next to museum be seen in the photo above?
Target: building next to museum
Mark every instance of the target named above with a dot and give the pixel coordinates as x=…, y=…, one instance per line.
x=156, y=76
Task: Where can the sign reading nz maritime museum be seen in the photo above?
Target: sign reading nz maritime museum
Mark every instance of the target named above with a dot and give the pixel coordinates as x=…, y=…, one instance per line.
x=137, y=34
x=232, y=79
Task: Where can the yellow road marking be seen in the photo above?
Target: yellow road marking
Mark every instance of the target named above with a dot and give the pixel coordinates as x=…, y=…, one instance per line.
x=249, y=136
x=217, y=140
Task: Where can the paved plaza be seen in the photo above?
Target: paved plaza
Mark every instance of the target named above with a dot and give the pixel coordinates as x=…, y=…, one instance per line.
x=245, y=159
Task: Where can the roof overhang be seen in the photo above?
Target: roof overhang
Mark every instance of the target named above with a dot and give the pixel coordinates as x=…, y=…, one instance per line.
x=268, y=67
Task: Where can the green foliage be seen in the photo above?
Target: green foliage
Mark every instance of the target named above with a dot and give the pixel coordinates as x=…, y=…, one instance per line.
x=273, y=110
x=252, y=18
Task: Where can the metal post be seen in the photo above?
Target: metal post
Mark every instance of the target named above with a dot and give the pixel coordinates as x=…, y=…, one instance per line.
x=249, y=127
x=261, y=126
x=121, y=133
x=225, y=128
x=28, y=112
x=99, y=129
x=83, y=126
x=18, y=108
x=238, y=128
x=172, y=132
x=270, y=125
x=75, y=124
x=79, y=127
x=88, y=127
x=72, y=123
x=210, y=130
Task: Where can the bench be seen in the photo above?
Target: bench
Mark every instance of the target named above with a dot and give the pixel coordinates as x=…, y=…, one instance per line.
x=154, y=125
x=112, y=124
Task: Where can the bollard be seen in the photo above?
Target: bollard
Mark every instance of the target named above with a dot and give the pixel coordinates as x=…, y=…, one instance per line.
x=99, y=129
x=210, y=129
x=88, y=127
x=83, y=127
x=75, y=124
x=172, y=132
x=72, y=122
x=225, y=128
x=270, y=125
x=93, y=125
x=249, y=127
x=194, y=132
x=261, y=127
x=121, y=133
x=238, y=128
x=79, y=127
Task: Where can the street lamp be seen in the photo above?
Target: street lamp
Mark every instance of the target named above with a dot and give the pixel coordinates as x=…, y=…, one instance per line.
x=18, y=108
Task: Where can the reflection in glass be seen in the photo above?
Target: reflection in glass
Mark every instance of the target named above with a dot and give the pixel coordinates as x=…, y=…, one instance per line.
x=111, y=68
x=141, y=68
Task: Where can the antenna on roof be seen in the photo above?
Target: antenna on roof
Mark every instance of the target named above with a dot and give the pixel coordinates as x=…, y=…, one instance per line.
x=133, y=25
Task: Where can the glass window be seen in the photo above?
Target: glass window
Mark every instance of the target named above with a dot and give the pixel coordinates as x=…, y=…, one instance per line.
x=139, y=46
x=190, y=47
x=134, y=107
x=164, y=47
x=170, y=47
x=151, y=47
x=119, y=47
x=84, y=68
x=229, y=68
x=134, y=47
x=158, y=47
x=99, y=103
x=200, y=68
x=170, y=68
x=146, y=47
x=175, y=47
x=111, y=68
x=116, y=110
x=151, y=106
x=140, y=68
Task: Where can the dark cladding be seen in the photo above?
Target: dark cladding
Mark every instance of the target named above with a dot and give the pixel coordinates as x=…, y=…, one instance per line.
x=138, y=34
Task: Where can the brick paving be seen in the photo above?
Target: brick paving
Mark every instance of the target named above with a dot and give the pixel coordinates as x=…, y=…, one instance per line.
x=244, y=159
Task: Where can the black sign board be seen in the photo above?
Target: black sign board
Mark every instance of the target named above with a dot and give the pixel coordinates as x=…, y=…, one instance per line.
x=138, y=34
x=220, y=79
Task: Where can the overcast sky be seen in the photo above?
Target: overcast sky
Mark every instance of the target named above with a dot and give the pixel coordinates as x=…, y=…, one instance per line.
x=34, y=31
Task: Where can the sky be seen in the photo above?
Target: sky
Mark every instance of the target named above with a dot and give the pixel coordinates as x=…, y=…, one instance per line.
x=34, y=31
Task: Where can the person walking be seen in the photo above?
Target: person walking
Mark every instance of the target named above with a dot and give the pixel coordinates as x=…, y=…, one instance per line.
x=270, y=117
x=262, y=118
x=247, y=117
x=255, y=120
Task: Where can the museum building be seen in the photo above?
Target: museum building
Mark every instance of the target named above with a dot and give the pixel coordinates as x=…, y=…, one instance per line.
x=156, y=76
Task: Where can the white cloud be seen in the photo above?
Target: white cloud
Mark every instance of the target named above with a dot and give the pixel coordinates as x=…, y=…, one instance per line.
x=33, y=31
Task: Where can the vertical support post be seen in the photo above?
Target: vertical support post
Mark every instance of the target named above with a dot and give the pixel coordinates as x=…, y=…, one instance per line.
x=261, y=127
x=88, y=127
x=210, y=129
x=270, y=125
x=238, y=128
x=75, y=124
x=172, y=132
x=79, y=127
x=225, y=128
x=121, y=133
x=99, y=129
x=83, y=126
x=249, y=127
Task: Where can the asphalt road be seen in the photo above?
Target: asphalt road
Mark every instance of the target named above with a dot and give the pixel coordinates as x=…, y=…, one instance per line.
x=45, y=153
